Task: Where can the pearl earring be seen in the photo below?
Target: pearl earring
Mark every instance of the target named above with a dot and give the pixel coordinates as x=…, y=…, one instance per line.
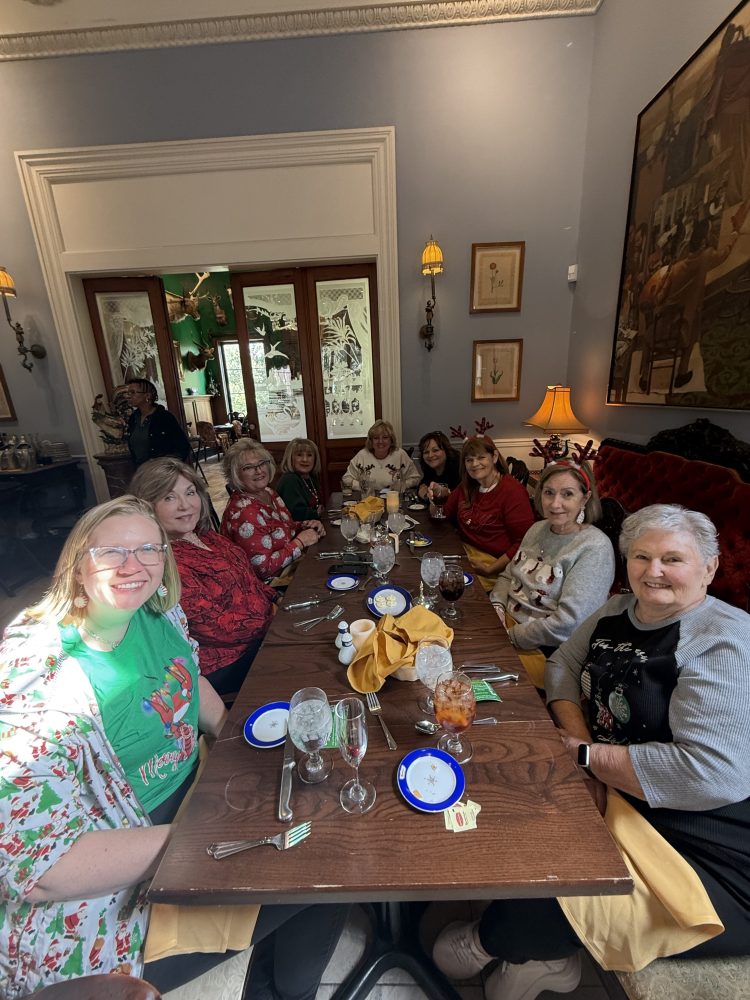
x=81, y=601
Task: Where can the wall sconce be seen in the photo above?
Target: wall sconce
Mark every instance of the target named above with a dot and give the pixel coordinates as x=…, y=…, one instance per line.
x=556, y=417
x=432, y=264
x=8, y=291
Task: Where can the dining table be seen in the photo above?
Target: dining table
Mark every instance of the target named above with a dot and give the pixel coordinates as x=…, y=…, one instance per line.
x=538, y=833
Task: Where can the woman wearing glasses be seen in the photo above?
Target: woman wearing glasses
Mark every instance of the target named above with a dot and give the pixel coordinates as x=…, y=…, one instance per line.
x=101, y=708
x=257, y=519
x=228, y=608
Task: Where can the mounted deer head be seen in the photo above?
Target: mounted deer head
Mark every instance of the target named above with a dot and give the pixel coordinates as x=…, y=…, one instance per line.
x=180, y=307
x=219, y=314
x=206, y=351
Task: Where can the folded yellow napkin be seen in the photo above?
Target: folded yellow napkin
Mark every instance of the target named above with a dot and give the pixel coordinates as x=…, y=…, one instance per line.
x=368, y=507
x=393, y=644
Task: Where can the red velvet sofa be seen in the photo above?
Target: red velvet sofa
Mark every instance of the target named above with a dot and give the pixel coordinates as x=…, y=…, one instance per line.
x=637, y=479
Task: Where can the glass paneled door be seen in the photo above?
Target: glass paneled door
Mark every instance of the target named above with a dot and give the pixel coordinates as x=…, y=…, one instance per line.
x=308, y=342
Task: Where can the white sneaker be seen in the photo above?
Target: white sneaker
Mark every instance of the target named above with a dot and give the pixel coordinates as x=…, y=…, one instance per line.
x=524, y=982
x=457, y=951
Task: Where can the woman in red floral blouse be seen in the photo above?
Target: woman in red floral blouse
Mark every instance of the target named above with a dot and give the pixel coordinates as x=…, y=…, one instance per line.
x=228, y=608
x=256, y=518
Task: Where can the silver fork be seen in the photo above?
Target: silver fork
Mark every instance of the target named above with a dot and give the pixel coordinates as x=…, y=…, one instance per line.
x=373, y=703
x=282, y=841
x=312, y=622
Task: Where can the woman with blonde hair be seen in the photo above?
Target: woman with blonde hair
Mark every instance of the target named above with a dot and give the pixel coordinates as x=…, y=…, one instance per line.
x=299, y=485
x=562, y=571
x=228, y=608
x=257, y=519
x=381, y=464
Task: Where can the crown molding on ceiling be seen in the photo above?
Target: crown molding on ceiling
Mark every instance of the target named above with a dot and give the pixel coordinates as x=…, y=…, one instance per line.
x=293, y=24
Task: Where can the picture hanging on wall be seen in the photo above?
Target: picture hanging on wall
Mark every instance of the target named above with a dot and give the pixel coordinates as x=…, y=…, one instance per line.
x=496, y=277
x=683, y=314
x=7, y=413
x=496, y=370
x=178, y=360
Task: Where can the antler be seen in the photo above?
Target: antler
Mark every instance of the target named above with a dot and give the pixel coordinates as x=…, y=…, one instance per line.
x=458, y=432
x=542, y=451
x=201, y=278
x=483, y=425
x=584, y=452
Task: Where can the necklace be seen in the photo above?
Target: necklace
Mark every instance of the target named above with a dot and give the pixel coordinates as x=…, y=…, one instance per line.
x=307, y=483
x=100, y=638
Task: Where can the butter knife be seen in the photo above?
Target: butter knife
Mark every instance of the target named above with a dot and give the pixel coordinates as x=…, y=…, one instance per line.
x=285, y=791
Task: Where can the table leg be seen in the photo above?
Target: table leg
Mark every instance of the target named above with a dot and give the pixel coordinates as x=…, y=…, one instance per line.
x=395, y=945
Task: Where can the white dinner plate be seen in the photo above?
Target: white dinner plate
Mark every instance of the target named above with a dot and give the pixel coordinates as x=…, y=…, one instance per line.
x=430, y=780
x=266, y=727
x=468, y=579
x=342, y=581
x=388, y=599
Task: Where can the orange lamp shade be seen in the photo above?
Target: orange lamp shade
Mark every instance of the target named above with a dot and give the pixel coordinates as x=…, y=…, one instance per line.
x=555, y=415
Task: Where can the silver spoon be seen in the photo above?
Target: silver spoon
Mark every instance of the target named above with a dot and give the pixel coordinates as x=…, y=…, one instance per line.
x=430, y=728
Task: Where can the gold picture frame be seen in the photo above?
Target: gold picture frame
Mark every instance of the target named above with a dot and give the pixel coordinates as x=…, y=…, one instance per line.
x=7, y=413
x=496, y=371
x=496, y=277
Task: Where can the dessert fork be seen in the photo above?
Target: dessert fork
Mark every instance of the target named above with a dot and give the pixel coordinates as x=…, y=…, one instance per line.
x=373, y=703
x=282, y=841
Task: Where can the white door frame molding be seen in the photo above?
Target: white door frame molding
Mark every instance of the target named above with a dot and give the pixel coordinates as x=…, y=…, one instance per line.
x=341, y=184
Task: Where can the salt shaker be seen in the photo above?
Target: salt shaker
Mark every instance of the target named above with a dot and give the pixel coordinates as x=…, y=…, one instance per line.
x=347, y=651
x=343, y=630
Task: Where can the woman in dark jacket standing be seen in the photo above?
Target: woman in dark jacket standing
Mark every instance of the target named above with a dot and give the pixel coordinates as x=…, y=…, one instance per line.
x=152, y=430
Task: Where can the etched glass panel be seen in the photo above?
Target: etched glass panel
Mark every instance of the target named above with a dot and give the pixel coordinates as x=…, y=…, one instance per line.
x=130, y=337
x=344, y=323
x=271, y=315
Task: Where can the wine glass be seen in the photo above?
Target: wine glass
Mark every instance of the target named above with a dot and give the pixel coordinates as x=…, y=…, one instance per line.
x=431, y=567
x=397, y=522
x=432, y=661
x=455, y=709
x=451, y=585
x=440, y=494
x=383, y=560
x=349, y=529
x=310, y=724
x=351, y=733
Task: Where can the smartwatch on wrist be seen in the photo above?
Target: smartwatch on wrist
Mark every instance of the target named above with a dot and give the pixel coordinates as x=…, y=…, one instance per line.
x=584, y=758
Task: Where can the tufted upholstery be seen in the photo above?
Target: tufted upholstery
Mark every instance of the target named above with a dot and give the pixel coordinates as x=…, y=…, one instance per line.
x=637, y=480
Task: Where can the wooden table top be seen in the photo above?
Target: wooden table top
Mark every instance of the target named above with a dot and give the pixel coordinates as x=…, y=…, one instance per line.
x=538, y=833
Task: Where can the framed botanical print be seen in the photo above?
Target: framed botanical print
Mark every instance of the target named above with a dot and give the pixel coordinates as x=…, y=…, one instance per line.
x=496, y=277
x=496, y=370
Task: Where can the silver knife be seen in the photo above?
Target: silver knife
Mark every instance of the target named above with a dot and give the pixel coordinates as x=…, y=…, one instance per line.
x=285, y=791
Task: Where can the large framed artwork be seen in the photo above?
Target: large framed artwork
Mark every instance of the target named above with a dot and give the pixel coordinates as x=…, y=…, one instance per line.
x=496, y=370
x=7, y=413
x=496, y=277
x=682, y=334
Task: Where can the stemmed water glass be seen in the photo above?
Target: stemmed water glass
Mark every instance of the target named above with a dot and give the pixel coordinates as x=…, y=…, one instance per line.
x=310, y=723
x=397, y=522
x=451, y=585
x=383, y=560
x=455, y=710
x=349, y=528
x=431, y=566
x=432, y=661
x=351, y=733
x=439, y=493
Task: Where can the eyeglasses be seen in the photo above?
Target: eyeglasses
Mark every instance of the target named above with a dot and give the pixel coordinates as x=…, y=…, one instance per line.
x=253, y=468
x=114, y=556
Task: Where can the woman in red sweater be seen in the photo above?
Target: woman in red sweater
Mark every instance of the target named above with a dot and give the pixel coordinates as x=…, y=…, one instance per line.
x=491, y=508
x=227, y=607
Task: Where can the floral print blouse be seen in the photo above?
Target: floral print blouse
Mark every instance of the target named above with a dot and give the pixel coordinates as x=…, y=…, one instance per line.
x=264, y=528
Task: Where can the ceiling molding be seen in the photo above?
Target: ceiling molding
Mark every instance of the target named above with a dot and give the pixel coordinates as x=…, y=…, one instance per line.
x=294, y=24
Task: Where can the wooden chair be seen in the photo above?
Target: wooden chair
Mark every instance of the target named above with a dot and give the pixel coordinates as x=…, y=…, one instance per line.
x=112, y=987
x=208, y=439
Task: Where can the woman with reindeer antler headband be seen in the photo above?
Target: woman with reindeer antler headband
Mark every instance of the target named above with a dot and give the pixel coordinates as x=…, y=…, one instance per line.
x=562, y=571
x=490, y=507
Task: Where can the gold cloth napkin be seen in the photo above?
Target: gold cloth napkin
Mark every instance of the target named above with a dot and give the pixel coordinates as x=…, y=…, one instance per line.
x=180, y=930
x=369, y=506
x=393, y=644
x=668, y=911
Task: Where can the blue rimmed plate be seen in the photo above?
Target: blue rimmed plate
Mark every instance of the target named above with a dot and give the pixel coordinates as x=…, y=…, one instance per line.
x=468, y=579
x=430, y=780
x=342, y=581
x=419, y=541
x=266, y=727
x=388, y=599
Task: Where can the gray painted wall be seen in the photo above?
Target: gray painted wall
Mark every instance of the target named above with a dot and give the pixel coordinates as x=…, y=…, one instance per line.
x=499, y=129
x=639, y=45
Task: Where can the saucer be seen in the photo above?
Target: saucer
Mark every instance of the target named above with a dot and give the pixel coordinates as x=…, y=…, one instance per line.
x=419, y=541
x=416, y=506
x=388, y=599
x=342, y=581
x=468, y=579
x=266, y=727
x=430, y=780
